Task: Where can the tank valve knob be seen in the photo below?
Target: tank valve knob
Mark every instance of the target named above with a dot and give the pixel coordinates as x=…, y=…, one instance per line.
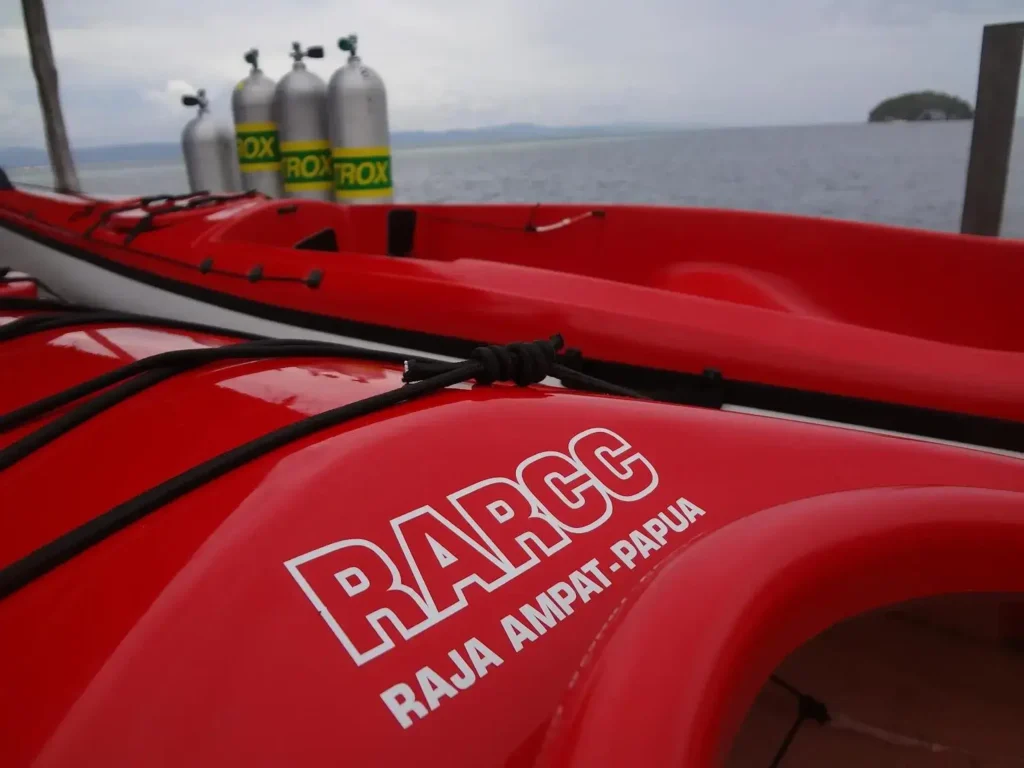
x=198, y=100
x=252, y=57
x=349, y=44
x=313, y=52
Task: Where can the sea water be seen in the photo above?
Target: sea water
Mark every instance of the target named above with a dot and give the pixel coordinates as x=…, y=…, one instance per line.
x=910, y=174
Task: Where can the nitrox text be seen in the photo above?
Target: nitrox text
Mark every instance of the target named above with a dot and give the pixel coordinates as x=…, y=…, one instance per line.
x=257, y=146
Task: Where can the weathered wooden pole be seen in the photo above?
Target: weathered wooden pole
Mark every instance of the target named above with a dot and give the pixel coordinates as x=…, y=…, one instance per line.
x=994, y=114
x=64, y=175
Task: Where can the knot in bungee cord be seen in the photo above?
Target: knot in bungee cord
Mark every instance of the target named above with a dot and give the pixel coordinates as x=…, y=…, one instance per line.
x=520, y=363
x=809, y=708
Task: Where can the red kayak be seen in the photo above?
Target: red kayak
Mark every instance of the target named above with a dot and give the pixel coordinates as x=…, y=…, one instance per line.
x=218, y=550
x=824, y=318
x=16, y=285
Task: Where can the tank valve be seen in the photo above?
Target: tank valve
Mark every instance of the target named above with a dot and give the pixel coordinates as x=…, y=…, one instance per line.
x=349, y=44
x=252, y=57
x=313, y=52
x=198, y=100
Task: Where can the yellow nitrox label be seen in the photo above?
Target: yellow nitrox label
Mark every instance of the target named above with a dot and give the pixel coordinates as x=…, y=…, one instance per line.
x=307, y=164
x=362, y=172
x=257, y=147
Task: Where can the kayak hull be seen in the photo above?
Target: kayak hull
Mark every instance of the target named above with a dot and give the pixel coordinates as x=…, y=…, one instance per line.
x=359, y=590
x=878, y=313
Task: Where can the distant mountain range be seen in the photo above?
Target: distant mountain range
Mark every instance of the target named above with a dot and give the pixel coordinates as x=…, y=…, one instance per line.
x=157, y=152
x=161, y=152
x=523, y=132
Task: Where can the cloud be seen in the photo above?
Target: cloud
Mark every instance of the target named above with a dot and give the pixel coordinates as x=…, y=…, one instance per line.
x=915, y=12
x=169, y=96
x=465, y=63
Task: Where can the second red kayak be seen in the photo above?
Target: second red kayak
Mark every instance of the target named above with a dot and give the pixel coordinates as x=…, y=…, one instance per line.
x=750, y=309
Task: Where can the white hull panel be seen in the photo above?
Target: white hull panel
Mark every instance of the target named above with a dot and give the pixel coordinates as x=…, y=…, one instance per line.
x=79, y=281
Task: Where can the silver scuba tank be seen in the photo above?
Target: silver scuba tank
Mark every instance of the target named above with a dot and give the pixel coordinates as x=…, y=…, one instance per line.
x=357, y=118
x=256, y=140
x=300, y=113
x=226, y=137
x=208, y=160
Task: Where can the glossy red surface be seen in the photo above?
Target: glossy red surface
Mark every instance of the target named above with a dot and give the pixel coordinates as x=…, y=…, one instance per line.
x=203, y=635
x=13, y=288
x=878, y=312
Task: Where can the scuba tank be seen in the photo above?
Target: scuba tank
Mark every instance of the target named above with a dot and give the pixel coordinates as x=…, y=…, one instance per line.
x=228, y=153
x=256, y=140
x=209, y=161
x=299, y=110
x=357, y=116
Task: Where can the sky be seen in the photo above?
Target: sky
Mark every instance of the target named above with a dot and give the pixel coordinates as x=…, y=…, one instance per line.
x=124, y=64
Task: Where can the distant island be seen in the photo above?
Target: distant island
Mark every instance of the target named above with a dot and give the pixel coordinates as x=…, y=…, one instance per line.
x=922, y=105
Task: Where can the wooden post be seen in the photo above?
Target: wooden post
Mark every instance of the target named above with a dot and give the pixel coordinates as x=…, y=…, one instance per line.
x=994, y=114
x=64, y=175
